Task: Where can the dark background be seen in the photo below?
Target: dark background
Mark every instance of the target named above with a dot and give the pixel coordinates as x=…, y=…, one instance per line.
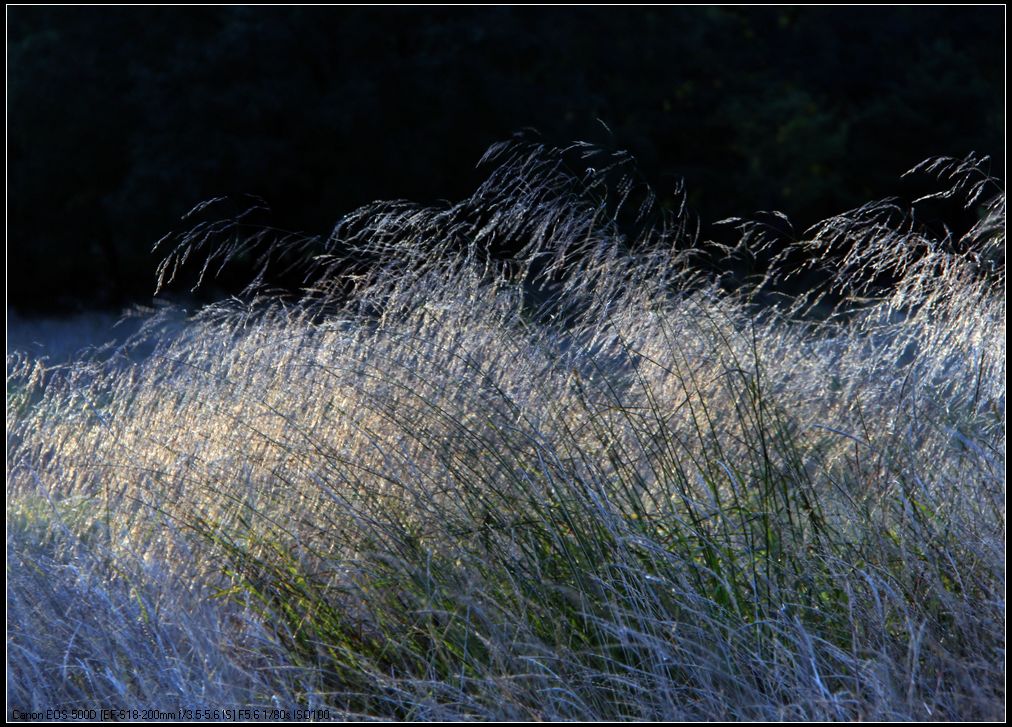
x=120, y=120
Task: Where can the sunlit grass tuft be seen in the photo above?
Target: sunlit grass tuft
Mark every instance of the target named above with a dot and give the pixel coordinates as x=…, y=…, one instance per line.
x=581, y=482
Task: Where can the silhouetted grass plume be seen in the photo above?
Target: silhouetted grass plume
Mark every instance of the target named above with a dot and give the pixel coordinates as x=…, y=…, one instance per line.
x=523, y=457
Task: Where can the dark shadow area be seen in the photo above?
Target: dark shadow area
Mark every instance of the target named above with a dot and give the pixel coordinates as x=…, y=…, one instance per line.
x=120, y=120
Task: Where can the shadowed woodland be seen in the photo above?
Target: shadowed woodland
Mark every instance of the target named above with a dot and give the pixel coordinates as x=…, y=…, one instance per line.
x=121, y=119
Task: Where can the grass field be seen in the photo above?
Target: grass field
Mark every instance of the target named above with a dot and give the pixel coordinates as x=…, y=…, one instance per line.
x=589, y=482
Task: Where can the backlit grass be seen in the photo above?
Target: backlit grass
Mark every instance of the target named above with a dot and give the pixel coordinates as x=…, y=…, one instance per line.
x=585, y=481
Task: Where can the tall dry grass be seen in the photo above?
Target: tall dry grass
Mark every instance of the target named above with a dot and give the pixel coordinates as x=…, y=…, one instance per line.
x=581, y=481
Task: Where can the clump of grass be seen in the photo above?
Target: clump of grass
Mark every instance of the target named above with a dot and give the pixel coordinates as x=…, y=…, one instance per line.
x=504, y=461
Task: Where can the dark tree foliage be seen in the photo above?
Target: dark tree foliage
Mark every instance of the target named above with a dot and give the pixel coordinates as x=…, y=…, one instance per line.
x=120, y=120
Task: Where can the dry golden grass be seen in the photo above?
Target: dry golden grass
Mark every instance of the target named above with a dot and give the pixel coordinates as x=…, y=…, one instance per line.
x=589, y=484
